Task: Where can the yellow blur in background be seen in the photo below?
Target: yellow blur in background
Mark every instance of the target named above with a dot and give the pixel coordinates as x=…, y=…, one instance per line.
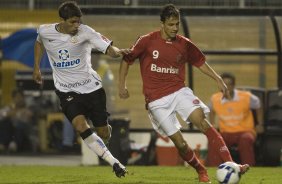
x=207, y=33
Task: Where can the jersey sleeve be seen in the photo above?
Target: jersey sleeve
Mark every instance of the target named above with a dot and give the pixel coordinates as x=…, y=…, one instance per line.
x=98, y=41
x=137, y=50
x=195, y=55
x=39, y=30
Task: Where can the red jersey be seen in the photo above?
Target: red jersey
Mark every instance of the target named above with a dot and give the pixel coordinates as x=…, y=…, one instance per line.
x=162, y=63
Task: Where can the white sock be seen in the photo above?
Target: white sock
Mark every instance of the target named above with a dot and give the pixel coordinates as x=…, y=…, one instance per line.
x=96, y=144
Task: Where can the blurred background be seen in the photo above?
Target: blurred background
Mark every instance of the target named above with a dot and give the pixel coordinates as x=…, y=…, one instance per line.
x=238, y=36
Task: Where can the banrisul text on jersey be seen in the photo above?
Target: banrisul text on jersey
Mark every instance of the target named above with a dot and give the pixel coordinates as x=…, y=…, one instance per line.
x=155, y=68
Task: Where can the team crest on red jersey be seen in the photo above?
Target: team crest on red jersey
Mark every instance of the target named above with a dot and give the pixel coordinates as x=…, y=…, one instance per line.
x=196, y=101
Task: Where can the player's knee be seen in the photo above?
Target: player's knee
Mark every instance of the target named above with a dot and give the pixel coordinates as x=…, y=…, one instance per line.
x=198, y=118
x=79, y=124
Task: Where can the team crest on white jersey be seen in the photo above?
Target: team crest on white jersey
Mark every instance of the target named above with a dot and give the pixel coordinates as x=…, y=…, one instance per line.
x=74, y=39
x=65, y=61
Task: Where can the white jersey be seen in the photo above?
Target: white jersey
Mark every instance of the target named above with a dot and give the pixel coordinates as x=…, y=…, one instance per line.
x=70, y=57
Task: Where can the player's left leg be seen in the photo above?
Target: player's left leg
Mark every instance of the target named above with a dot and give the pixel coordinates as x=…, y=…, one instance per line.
x=192, y=109
x=213, y=160
x=197, y=117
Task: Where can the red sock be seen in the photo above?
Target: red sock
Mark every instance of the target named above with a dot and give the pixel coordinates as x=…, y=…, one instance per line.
x=192, y=160
x=216, y=140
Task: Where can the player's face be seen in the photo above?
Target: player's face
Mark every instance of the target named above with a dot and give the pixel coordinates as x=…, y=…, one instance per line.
x=71, y=25
x=170, y=28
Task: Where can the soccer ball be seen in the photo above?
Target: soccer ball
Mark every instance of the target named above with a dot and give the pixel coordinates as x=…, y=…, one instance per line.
x=228, y=173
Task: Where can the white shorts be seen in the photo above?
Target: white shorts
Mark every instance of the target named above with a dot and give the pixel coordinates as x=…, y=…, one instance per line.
x=162, y=112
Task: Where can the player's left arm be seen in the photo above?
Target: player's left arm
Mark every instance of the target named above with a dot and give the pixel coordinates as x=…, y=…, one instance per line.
x=207, y=69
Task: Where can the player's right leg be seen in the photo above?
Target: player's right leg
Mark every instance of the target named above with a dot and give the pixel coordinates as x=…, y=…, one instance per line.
x=189, y=156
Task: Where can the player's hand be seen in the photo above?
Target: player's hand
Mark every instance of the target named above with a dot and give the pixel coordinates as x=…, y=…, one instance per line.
x=123, y=93
x=123, y=52
x=37, y=76
x=223, y=88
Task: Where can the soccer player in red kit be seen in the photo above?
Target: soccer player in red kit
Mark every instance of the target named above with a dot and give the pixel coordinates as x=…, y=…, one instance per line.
x=163, y=55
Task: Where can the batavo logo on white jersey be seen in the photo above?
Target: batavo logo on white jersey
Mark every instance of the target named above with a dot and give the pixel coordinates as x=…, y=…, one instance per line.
x=155, y=68
x=64, y=55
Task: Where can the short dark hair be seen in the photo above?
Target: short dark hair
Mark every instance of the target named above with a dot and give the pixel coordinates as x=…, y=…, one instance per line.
x=227, y=75
x=168, y=11
x=69, y=9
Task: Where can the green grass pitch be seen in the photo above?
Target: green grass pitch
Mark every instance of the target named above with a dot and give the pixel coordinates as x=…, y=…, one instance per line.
x=137, y=175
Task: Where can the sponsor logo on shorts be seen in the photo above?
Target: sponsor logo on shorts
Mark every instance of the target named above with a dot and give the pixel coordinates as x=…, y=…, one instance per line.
x=70, y=98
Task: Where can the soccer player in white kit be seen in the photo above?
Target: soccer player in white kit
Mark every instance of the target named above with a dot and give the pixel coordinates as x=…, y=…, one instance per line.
x=162, y=56
x=68, y=45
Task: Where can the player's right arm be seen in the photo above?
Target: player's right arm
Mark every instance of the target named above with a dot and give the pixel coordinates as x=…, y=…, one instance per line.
x=138, y=49
x=38, y=53
x=123, y=71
